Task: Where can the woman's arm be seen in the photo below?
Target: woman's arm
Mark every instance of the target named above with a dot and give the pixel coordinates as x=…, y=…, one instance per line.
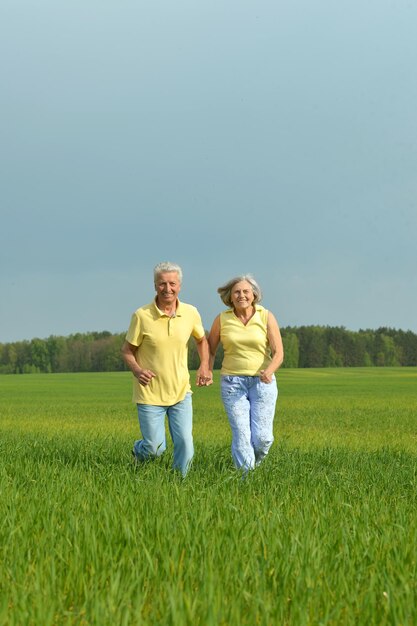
x=277, y=349
x=213, y=341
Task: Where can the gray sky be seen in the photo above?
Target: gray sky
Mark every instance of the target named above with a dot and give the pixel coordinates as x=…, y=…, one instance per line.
x=228, y=136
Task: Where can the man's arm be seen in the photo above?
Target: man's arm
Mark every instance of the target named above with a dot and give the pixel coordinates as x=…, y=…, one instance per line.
x=204, y=376
x=129, y=357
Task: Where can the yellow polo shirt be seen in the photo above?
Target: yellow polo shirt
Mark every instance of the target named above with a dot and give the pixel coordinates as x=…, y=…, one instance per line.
x=246, y=348
x=162, y=347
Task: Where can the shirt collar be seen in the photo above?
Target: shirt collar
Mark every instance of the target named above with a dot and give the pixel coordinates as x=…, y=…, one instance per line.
x=178, y=309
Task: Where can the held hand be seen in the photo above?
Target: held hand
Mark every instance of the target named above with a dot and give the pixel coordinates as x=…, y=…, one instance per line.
x=204, y=378
x=145, y=377
x=265, y=377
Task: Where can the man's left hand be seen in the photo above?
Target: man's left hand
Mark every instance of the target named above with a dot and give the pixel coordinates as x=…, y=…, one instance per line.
x=204, y=378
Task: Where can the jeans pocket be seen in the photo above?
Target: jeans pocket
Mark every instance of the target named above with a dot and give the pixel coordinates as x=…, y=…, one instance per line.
x=230, y=385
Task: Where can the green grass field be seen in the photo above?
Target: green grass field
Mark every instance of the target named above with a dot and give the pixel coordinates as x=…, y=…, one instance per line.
x=324, y=532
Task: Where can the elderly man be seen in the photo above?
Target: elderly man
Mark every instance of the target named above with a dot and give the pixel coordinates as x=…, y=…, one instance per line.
x=156, y=352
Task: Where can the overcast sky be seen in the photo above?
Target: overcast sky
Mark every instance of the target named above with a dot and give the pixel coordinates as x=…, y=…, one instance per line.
x=277, y=138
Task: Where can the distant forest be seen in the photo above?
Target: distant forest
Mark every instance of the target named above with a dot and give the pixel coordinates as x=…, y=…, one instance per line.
x=305, y=346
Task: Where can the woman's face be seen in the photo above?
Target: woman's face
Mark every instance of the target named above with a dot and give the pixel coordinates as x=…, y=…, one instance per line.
x=242, y=295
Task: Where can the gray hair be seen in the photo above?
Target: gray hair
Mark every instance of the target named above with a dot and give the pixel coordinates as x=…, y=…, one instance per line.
x=225, y=290
x=166, y=266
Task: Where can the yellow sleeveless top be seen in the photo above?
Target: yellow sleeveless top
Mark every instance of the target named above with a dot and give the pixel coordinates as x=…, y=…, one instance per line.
x=246, y=348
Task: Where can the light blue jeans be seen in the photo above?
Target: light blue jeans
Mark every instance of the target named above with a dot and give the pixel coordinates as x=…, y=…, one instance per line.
x=152, y=426
x=250, y=407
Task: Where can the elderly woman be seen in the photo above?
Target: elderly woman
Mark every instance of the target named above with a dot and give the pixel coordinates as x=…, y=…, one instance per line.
x=253, y=351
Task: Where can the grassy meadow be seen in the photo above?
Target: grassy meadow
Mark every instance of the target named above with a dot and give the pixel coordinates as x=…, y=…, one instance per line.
x=323, y=533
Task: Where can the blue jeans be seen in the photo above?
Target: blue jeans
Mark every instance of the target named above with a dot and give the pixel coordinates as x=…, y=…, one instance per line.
x=152, y=426
x=250, y=407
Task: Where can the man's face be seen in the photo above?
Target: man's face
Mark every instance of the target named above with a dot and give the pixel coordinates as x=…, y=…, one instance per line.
x=167, y=287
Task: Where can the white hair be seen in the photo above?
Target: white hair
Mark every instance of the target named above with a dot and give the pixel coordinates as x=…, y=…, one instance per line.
x=166, y=266
x=225, y=290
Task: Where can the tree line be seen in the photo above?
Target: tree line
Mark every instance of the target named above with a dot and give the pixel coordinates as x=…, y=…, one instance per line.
x=304, y=346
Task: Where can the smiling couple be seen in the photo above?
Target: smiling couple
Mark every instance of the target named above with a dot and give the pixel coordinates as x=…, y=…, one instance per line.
x=156, y=352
